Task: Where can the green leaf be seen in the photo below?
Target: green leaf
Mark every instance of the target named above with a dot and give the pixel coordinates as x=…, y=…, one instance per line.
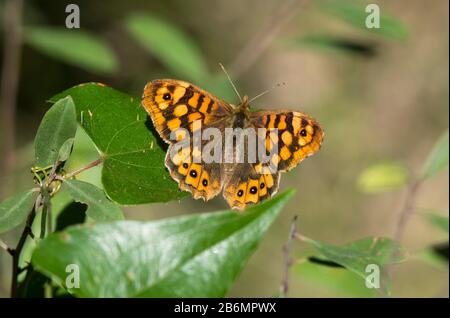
x=58, y=125
x=435, y=255
x=133, y=169
x=355, y=14
x=382, y=177
x=338, y=281
x=14, y=210
x=65, y=150
x=190, y=256
x=100, y=208
x=438, y=158
x=335, y=44
x=75, y=47
x=172, y=47
x=439, y=221
x=356, y=256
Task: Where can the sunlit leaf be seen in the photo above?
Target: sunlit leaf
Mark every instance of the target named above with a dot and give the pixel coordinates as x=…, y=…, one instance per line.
x=76, y=47
x=382, y=177
x=189, y=256
x=133, y=170
x=438, y=158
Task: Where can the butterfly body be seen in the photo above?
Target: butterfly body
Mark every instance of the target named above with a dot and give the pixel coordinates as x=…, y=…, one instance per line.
x=178, y=107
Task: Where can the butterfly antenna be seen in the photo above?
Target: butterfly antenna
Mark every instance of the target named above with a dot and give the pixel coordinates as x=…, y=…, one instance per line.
x=231, y=82
x=266, y=91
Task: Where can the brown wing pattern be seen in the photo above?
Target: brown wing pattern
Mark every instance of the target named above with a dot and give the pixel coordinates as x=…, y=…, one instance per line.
x=172, y=104
x=298, y=136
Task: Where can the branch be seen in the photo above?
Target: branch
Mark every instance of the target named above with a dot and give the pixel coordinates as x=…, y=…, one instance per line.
x=261, y=41
x=287, y=257
x=407, y=210
x=18, y=250
x=12, y=52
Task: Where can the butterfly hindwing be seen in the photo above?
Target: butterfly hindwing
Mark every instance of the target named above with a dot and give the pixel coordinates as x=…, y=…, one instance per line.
x=203, y=180
x=246, y=186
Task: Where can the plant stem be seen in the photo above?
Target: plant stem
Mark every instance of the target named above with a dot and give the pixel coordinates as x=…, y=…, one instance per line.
x=9, y=83
x=407, y=210
x=89, y=166
x=288, y=258
x=18, y=250
x=261, y=41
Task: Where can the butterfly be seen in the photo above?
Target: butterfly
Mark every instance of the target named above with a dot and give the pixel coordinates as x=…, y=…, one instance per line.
x=175, y=105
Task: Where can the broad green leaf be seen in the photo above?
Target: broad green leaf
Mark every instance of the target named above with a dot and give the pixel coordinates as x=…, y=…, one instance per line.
x=439, y=221
x=58, y=125
x=14, y=210
x=189, y=256
x=337, y=281
x=176, y=50
x=133, y=170
x=355, y=14
x=438, y=158
x=100, y=208
x=382, y=177
x=75, y=47
x=356, y=256
x=332, y=44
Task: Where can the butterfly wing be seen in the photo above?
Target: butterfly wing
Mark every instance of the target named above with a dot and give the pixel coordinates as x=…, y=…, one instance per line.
x=174, y=104
x=246, y=186
x=203, y=180
x=297, y=137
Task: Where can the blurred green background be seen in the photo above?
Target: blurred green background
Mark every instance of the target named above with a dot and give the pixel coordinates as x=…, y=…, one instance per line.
x=381, y=96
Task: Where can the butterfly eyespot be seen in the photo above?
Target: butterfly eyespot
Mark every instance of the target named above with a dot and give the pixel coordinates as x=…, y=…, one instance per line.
x=262, y=185
x=205, y=182
x=193, y=173
x=240, y=193
x=303, y=133
x=185, y=165
x=253, y=190
x=166, y=96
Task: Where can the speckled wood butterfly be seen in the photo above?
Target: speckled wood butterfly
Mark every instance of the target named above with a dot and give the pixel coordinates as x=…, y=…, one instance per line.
x=174, y=104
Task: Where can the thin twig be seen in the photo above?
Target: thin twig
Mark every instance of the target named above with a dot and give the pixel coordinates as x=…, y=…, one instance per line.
x=89, y=166
x=288, y=258
x=407, y=210
x=12, y=52
x=261, y=41
x=18, y=250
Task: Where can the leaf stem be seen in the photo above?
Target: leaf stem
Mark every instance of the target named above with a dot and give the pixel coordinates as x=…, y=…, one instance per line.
x=89, y=166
